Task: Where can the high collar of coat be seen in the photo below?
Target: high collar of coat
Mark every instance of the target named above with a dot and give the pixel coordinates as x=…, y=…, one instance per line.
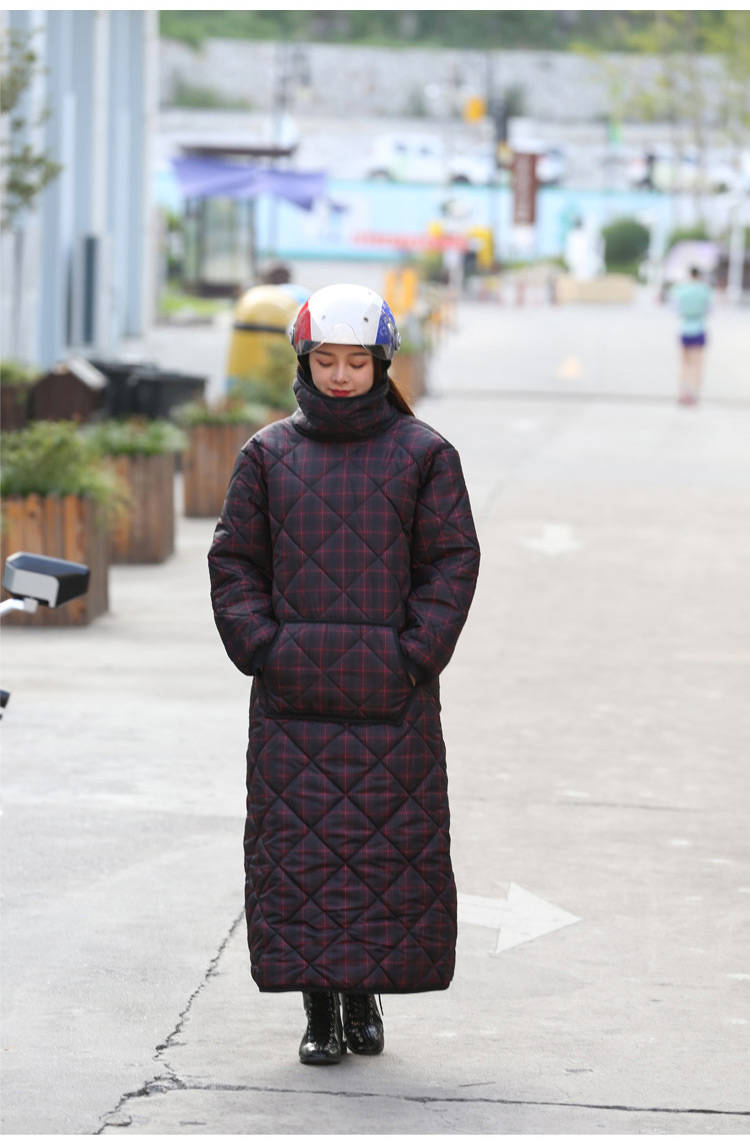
x=342, y=418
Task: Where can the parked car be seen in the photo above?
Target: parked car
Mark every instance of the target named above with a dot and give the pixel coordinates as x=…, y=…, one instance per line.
x=425, y=158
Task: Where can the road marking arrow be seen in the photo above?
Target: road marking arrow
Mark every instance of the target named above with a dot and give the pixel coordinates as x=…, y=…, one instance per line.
x=517, y=919
x=570, y=369
x=556, y=539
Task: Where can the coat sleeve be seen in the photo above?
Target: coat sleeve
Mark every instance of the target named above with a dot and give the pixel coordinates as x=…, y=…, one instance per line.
x=240, y=565
x=444, y=567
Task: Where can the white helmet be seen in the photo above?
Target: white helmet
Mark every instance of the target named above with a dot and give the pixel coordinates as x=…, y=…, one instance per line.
x=346, y=315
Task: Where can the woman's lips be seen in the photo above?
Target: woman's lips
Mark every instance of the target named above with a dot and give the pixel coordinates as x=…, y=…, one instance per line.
x=339, y=392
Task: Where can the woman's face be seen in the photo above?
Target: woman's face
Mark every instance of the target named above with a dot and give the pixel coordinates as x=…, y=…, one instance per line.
x=342, y=370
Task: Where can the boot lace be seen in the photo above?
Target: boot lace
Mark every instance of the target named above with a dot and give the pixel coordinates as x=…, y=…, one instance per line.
x=360, y=1008
x=320, y=1016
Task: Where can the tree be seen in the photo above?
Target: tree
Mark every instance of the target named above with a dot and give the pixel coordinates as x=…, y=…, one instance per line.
x=26, y=171
x=700, y=68
x=731, y=41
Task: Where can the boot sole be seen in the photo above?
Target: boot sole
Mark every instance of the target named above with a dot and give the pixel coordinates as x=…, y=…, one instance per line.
x=366, y=1050
x=322, y=1062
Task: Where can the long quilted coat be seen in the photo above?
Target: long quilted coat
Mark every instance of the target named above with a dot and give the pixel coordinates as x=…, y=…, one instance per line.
x=345, y=559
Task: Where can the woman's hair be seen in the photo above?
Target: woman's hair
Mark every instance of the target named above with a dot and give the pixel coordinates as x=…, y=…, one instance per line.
x=396, y=396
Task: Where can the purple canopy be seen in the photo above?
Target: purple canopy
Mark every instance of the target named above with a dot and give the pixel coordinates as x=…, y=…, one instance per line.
x=211, y=178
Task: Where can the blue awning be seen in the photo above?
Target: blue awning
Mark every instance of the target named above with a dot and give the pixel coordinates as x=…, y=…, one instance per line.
x=212, y=178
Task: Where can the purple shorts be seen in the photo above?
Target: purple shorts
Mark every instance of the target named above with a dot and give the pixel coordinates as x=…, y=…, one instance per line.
x=693, y=340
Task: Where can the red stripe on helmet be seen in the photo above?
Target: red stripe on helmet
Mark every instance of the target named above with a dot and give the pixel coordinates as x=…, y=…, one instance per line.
x=302, y=325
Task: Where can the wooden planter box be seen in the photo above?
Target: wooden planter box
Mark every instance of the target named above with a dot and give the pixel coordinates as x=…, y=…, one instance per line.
x=208, y=462
x=409, y=370
x=609, y=289
x=147, y=533
x=66, y=527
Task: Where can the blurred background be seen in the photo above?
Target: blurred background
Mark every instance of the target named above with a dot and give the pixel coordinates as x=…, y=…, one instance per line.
x=525, y=188
x=158, y=165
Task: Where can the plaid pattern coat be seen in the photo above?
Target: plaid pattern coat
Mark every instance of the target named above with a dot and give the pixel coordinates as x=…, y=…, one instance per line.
x=344, y=562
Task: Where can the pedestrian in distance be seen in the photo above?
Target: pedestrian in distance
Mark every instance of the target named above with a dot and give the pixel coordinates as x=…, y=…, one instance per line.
x=342, y=571
x=693, y=302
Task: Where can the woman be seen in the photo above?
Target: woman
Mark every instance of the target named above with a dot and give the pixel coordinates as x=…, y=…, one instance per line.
x=693, y=301
x=342, y=571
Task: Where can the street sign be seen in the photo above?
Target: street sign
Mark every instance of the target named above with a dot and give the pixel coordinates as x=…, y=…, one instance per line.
x=522, y=916
x=412, y=241
x=524, y=188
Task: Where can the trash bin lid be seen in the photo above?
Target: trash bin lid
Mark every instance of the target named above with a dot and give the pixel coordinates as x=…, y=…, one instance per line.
x=266, y=307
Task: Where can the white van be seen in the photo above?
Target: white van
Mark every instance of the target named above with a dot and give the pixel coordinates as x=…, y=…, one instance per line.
x=424, y=158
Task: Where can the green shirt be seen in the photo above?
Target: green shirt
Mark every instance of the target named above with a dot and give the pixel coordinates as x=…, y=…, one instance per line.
x=693, y=301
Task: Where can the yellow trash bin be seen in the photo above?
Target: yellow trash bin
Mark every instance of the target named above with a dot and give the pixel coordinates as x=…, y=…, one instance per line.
x=261, y=317
x=484, y=239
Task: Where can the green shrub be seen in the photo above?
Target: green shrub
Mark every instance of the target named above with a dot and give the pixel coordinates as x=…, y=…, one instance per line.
x=270, y=383
x=234, y=410
x=626, y=242
x=429, y=266
x=174, y=302
x=135, y=437
x=687, y=234
x=191, y=95
x=54, y=458
x=15, y=375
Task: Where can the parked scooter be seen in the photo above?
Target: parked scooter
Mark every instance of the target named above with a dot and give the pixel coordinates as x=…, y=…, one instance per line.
x=39, y=579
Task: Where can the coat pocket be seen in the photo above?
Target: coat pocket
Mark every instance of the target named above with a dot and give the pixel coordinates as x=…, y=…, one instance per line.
x=337, y=672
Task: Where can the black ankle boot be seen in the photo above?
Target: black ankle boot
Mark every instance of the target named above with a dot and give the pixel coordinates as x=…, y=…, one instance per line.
x=322, y=1042
x=363, y=1027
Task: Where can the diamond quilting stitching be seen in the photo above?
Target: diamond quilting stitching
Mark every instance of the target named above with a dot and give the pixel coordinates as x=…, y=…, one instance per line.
x=364, y=803
x=337, y=669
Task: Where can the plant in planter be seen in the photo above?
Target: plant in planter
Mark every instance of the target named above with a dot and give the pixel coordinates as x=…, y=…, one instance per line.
x=215, y=433
x=16, y=381
x=60, y=498
x=271, y=382
x=409, y=368
x=142, y=453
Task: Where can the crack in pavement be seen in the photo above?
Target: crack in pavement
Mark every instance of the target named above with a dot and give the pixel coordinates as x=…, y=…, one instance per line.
x=427, y=1100
x=162, y=1084
x=168, y=1082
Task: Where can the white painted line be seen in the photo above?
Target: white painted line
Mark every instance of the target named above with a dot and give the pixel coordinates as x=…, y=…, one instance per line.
x=517, y=919
x=556, y=539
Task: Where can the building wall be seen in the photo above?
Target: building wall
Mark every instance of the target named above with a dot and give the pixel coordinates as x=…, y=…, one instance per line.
x=77, y=271
x=556, y=86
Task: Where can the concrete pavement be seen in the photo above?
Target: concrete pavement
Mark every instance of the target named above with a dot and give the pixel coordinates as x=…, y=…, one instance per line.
x=598, y=735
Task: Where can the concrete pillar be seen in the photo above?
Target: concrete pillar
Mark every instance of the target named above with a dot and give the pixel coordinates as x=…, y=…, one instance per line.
x=58, y=200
